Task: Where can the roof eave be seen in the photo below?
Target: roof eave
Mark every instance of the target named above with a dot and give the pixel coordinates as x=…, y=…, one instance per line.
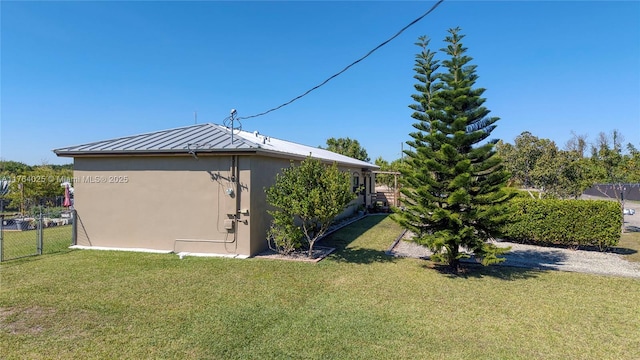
x=184, y=152
x=103, y=153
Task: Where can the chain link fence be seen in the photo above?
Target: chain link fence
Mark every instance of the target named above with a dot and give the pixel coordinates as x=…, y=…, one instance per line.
x=40, y=231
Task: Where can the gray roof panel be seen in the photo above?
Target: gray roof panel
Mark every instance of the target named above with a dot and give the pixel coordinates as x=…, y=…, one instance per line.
x=203, y=138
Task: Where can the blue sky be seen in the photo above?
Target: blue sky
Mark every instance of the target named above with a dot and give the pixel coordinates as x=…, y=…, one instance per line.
x=77, y=72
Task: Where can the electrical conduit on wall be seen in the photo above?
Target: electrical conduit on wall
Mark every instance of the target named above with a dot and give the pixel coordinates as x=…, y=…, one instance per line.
x=234, y=176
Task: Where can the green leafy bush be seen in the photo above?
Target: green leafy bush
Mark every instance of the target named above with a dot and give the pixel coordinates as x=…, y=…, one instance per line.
x=284, y=235
x=307, y=198
x=563, y=222
x=54, y=212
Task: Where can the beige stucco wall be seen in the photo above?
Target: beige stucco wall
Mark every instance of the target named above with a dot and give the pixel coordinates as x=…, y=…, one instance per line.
x=263, y=174
x=152, y=202
x=176, y=203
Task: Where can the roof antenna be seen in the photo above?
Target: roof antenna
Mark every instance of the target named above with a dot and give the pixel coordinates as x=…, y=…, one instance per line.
x=229, y=123
x=195, y=117
x=232, y=118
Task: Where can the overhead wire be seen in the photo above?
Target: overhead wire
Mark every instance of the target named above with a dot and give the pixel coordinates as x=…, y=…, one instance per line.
x=348, y=66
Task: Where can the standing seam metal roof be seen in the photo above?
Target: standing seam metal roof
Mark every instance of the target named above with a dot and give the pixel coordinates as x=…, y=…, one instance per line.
x=208, y=136
x=203, y=138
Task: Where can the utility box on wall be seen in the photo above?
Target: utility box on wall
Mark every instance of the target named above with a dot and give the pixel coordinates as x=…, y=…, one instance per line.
x=228, y=224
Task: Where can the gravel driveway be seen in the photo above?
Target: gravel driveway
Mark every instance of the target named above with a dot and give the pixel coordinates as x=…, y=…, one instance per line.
x=537, y=257
x=632, y=222
x=544, y=258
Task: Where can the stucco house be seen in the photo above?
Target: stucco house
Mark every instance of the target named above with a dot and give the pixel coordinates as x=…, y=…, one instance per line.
x=197, y=189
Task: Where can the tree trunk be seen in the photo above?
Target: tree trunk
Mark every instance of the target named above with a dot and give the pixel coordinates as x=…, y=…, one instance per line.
x=311, y=249
x=454, y=262
x=455, y=266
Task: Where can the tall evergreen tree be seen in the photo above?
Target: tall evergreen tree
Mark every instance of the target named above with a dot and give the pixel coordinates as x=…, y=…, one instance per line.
x=454, y=183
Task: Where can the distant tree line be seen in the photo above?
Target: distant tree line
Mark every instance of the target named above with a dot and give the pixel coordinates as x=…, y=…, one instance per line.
x=540, y=164
x=348, y=147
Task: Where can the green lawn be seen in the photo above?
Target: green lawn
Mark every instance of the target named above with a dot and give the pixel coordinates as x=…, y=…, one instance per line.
x=357, y=304
x=17, y=244
x=629, y=246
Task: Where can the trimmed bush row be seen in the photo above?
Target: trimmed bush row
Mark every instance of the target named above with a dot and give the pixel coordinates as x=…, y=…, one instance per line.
x=563, y=222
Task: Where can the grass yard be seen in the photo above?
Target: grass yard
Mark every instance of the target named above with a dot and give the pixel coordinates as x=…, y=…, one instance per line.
x=24, y=243
x=629, y=246
x=356, y=304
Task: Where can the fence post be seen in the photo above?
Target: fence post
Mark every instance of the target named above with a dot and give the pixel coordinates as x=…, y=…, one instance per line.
x=1, y=231
x=40, y=232
x=74, y=227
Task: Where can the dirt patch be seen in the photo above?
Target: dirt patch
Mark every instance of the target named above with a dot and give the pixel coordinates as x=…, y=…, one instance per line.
x=319, y=253
x=20, y=321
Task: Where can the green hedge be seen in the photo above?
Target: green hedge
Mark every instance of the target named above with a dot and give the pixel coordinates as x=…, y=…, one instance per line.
x=563, y=222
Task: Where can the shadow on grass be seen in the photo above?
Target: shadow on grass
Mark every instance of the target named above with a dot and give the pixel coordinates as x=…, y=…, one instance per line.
x=31, y=258
x=343, y=238
x=361, y=256
x=622, y=251
x=518, y=265
x=478, y=271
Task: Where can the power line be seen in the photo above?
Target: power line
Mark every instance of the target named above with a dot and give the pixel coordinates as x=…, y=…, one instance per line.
x=350, y=65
